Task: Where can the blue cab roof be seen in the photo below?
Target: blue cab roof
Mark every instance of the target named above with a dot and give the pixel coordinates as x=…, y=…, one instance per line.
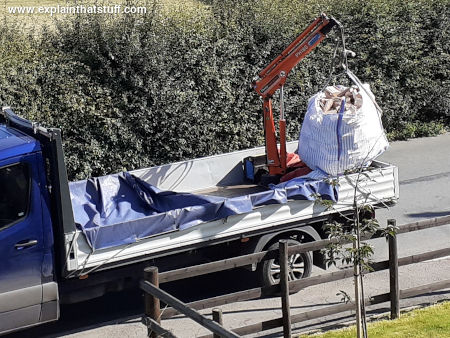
x=15, y=143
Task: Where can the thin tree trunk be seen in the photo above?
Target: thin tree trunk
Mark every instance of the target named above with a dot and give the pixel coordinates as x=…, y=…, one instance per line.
x=357, y=294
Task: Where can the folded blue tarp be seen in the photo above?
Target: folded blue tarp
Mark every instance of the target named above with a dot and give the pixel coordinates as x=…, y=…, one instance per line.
x=121, y=209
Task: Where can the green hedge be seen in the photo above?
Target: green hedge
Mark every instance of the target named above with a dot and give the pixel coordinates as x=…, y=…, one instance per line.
x=137, y=91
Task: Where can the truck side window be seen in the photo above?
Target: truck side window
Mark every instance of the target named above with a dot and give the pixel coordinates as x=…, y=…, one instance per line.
x=14, y=194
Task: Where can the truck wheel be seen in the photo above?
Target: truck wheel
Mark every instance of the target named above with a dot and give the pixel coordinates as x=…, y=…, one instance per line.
x=300, y=266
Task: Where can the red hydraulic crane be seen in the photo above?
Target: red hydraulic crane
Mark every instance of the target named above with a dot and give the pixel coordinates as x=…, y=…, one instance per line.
x=273, y=78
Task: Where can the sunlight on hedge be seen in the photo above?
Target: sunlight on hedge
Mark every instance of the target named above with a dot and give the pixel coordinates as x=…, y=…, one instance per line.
x=131, y=91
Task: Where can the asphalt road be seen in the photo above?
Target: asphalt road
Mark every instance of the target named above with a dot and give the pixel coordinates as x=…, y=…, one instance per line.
x=424, y=167
x=424, y=172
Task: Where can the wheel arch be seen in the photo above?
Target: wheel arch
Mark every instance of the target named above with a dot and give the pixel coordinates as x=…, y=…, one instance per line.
x=267, y=239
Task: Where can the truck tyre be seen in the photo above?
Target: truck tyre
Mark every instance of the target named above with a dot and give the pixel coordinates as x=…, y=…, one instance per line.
x=300, y=266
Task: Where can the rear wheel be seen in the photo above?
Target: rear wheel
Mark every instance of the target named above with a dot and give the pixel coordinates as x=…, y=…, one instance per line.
x=299, y=266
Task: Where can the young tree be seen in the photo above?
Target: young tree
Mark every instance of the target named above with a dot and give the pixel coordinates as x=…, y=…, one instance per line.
x=355, y=229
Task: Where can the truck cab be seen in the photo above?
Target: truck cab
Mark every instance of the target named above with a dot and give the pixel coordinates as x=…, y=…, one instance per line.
x=28, y=291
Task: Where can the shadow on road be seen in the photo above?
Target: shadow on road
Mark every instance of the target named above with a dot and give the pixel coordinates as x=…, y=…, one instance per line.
x=429, y=214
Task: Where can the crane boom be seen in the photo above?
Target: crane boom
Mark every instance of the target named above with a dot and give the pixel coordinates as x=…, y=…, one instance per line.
x=273, y=78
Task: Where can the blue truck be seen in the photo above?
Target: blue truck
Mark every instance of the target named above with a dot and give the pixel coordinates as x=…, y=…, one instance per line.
x=62, y=243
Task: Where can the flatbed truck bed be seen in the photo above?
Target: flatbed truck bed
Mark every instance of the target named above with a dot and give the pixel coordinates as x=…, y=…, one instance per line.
x=377, y=187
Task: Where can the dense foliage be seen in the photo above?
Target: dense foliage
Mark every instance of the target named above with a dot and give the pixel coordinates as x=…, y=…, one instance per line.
x=135, y=91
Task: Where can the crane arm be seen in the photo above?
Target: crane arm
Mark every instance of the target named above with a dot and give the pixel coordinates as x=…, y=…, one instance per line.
x=273, y=78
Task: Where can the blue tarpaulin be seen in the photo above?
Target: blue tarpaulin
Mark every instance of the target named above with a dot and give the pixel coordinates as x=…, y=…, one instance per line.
x=121, y=208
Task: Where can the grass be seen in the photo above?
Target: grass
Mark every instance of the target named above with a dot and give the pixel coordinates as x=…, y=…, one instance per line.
x=433, y=321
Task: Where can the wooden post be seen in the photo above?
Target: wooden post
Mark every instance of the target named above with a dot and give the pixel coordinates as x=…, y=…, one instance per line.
x=284, y=286
x=393, y=274
x=152, y=306
x=217, y=317
x=186, y=310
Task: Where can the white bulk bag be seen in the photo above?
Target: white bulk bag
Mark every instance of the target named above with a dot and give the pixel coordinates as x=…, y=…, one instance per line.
x=335, y=146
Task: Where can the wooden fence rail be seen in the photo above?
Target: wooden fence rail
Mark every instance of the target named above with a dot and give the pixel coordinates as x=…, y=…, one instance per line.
x=180, y=306
x=298, y=285
x=335, y=309
x=255, y=258
x=150, y=285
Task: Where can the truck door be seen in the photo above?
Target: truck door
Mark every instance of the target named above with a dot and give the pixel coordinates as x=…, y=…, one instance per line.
x=21, y=244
